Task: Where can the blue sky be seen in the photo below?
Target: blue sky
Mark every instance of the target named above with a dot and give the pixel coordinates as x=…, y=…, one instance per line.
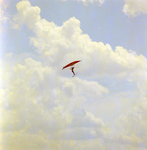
x=104, y=105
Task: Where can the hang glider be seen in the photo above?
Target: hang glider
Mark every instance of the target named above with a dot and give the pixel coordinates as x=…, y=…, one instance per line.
x=72, y=66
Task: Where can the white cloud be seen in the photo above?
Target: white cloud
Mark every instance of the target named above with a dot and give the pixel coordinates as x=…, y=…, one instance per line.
x=49, y=111
x=82, y=126
x=61, y=45
x=83, y=119
x=83, y=87
x=87, y=2
x=133, y=8
x=4, y=16
x=42, y=107
x=34, y=101
x=27, y=14
x=132, y=126
x=8, y=55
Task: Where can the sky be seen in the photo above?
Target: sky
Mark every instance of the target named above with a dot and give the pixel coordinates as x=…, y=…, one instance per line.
x=43, y=107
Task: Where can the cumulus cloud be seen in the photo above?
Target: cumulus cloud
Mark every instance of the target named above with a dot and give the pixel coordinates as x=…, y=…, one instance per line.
x=78, y=86
x=62, y=44
x=87, y=2
x=132, y=126
x=35, y=101
x=42, y=104
x=83, y=126
x=8, y=55
x=83, y=119
x=133, y=8
x=24, y=9
x=4, y=16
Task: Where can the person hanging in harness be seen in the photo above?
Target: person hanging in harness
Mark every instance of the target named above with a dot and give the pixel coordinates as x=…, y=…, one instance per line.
x=72, y=69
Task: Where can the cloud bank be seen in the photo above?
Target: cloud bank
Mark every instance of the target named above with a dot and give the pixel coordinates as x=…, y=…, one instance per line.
x=61, y=44
x=42, y=107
